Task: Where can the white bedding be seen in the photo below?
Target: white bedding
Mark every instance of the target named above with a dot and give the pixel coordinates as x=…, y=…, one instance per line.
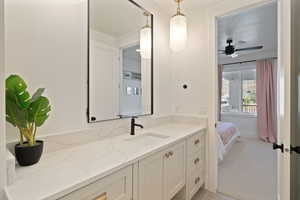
x=227, y=134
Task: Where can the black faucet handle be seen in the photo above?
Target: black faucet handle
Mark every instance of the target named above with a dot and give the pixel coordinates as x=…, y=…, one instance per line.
x=133, y=119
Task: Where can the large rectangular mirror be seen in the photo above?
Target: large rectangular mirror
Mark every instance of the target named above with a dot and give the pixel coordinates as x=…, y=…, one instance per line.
x=120, y=60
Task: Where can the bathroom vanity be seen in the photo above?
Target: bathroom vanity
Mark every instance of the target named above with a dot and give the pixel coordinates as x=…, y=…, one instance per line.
x=166, y=159
x=159, y=176
x=157, y=163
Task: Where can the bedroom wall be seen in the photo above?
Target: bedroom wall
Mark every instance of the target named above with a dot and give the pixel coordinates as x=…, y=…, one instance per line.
x=51, y=53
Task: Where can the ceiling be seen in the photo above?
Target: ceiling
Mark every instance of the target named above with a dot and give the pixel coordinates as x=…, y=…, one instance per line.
x=170, y=5
x=251, y=27
x=112, y=17
x=116, y=18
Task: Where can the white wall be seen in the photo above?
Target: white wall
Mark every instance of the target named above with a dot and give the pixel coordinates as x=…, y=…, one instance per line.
x=46, y=44
x=2, y=108
x=190, y=67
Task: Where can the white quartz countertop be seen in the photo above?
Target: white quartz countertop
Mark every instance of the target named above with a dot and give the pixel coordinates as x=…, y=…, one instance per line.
x=61, y=172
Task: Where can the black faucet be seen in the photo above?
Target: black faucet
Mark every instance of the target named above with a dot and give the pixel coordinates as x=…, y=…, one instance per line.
x=133, y=125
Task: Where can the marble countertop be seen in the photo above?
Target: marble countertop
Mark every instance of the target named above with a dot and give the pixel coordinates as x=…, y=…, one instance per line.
x=61, y=172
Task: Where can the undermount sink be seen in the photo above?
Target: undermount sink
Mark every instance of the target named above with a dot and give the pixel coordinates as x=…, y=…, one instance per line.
x=147, y=138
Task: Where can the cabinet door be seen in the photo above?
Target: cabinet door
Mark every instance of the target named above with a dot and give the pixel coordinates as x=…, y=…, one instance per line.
x=151, y=178
x=174, y=170
x=117, y=186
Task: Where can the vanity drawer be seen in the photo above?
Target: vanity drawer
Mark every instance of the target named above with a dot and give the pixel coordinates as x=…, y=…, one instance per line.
x=196, y=142
x=196, y=180
x=117, y=186
x=195, y=161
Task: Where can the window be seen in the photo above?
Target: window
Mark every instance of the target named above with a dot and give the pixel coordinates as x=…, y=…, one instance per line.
x=239, y=90
x=225, y=91
x=249, y=96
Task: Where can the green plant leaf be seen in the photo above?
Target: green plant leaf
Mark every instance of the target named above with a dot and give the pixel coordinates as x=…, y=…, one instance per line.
x=37, y=95
x=15, y=115
x=38, y=111
x=16, y=90
x=24, y=112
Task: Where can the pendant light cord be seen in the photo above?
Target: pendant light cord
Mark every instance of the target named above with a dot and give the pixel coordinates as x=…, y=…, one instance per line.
x=178, y=7
x=147, y=20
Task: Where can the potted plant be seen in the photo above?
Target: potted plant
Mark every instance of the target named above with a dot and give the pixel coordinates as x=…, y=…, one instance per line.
x=26, y=113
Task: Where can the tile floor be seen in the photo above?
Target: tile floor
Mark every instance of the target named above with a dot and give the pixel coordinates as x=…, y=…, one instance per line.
x=206, y=195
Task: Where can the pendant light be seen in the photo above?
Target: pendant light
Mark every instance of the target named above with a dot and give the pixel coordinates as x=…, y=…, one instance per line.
x=146, y=39
x=178, y=30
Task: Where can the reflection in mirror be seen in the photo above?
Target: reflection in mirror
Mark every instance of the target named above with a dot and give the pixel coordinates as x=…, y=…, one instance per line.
x=120, y=60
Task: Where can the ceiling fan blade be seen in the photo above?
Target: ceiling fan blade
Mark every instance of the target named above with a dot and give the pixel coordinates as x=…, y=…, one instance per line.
x=250, y=48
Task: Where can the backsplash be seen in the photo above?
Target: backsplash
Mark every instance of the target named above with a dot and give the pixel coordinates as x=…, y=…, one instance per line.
x=59, y=141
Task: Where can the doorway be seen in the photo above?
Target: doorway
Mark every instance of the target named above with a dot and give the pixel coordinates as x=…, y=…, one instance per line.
x=247, y=103
x=131, y=81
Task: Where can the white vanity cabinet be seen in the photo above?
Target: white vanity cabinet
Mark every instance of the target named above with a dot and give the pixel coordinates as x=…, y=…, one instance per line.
x=117, y=186
x=162, y=175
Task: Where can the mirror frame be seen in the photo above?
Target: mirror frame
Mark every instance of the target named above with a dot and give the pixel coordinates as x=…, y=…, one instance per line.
x=88, y=67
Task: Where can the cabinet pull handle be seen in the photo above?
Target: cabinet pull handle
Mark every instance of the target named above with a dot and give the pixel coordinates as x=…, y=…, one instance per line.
x=167, y=155
x=197, y=180
x=101, y=197
x=196, y=161
x=197, y=141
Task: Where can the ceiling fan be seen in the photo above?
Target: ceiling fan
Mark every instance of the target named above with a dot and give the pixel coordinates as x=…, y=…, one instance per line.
x=230, y=49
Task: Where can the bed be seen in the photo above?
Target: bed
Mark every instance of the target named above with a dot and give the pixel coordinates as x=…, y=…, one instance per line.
x=227, y=134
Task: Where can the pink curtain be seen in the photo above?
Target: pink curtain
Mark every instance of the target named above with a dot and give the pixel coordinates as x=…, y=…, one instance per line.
x=220, y=79
x=266, y=100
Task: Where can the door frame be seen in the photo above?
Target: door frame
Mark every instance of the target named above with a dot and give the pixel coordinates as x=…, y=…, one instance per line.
x=284, y=59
